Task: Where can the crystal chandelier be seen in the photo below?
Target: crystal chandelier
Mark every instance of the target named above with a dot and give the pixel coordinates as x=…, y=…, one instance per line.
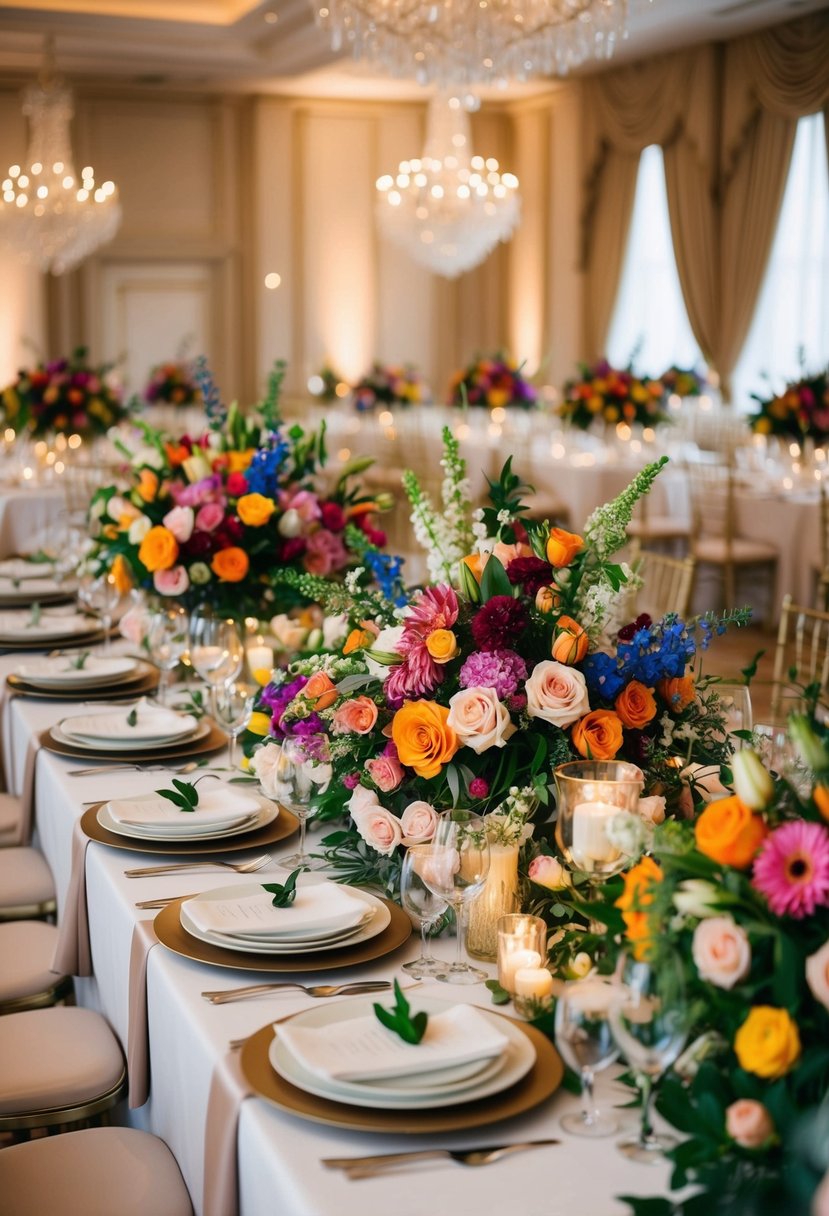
x=448, y=209
x=466, y=42
x=47, y=214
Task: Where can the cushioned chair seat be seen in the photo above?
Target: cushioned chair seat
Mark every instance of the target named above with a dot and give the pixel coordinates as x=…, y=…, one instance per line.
x=658, y=527
x=11, y=820
x=27, y=887
x=58, y=1059
x=743, y=552
x=27, y=948
x=96, y=1172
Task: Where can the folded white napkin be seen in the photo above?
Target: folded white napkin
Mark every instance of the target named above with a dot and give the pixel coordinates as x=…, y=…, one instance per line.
x=43, y=586
x=62, y=668
x=22, y=568
x=217, y=807
x=317, y=907
x=51, y=624
x=362, y=1049
x=150, y=722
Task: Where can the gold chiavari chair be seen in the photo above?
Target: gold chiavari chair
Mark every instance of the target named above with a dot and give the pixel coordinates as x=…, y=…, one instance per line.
x=822, y=571
x=666, y=587
x=649, y=528
x=801, y=658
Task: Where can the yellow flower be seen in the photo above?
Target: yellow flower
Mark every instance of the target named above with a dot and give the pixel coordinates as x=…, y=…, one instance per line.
x=237, y=462
x=159, y=549
x=768, y=1042
x=259, y=724
x=442, y=645
x=255, y=509
x=424, y=740
x=634, y=901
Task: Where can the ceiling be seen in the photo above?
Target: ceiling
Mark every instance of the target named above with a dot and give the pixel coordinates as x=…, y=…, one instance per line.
x=274, y=47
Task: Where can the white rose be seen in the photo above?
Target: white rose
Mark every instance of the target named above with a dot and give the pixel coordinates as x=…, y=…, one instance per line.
x=138, y=529
x=149, y=456
x=557, y=694
x=721, y=951
x=264, y=764
x=652, y=809
x=289, y=633
x=385, y=642
x=418, y=822
x=334, y=630
x=479, y=719
x=817, y=974
x=696, y=897
x=290, y=525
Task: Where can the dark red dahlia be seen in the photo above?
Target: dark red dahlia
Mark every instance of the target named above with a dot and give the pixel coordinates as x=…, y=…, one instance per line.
x=498, y=622
x=627, y=632
x=294, y=547
x=531, y=573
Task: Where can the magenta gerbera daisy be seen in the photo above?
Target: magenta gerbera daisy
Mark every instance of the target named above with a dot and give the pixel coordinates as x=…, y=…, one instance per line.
x=792, y=869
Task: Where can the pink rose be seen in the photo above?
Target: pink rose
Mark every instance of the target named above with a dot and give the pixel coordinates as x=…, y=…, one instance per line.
x=418, y=822
x=479, y=719
x=820, y=1199
x=210, y=516
x=817, y=974
x=305, y=503
x=134, y=624
x=549, y=872
x=748, y=1123
x=386, y=772
x=721, y=951
x=171, y=582
x=180, y=520
x=324, y=553
x=356, y=717
x=652, y=809
x=557, y=694
x=377, y=826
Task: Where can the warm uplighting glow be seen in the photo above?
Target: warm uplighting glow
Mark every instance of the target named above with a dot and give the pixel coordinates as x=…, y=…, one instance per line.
x=386, y=418
x=272, y=280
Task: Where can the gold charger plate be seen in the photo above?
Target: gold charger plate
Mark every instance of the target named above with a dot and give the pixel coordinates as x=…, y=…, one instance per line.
x=211, y=742
x=119, y=692
x=72, y=642
x=281, y=828
x=536, y=1087
x=174, y=936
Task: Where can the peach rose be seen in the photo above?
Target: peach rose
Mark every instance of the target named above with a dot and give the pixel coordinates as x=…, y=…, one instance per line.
x=817, y=974
x=549, y=872
x=231, y=565
x=321, y=692
x=479, y=719
x=158, y=550
x=598, y=735
x=437, y=864
x=418, y=822
x=171, y=582
x=355, y=717
x=635, y=705
x=729, y=832
x=180, y=521
x=562, y=547
x=652, y=809
x=556, y=693
x=442, y=645
x=570, y=642
x=748, y=1123
x=377, y=826
x=386, y=772
x=508, y=553
x=721, y=951
x=678, y=693
x=424, y=739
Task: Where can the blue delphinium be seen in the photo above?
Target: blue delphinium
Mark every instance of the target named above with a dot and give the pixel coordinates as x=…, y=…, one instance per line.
x=386, y=570
x=216, y=412
x=262, y=474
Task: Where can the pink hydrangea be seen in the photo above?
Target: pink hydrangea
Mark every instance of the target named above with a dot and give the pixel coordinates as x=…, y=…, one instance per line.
x=502, y=670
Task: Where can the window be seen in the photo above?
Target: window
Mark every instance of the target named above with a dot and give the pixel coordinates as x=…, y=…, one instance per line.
x=792, y=315
x=650, y=325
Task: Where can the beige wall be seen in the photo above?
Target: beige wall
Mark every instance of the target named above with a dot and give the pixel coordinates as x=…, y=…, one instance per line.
x=219, y=192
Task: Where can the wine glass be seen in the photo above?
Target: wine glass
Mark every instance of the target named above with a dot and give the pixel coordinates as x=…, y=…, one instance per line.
x=234, y=706
x=216, y=652
x=101, y=596
x=585, y=1039
x=735, y=704
x=303, y=770
x=649, y=1020
x=455, y=869
x=423, y=906
x=167, y=639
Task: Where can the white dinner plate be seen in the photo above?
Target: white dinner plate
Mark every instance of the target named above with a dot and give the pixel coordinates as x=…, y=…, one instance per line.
x=363, y=932
x=12, y=591
x=152, y=725
x=123, y=745
x=15, y=627
x=506, y=1070
x=20, y=569
x=266, y=814
x=61, y=672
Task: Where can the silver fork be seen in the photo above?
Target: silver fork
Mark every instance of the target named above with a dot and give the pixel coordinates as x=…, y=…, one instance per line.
x=180, y=867
x=133, y=768
x=222, y=996
x=370, y=1167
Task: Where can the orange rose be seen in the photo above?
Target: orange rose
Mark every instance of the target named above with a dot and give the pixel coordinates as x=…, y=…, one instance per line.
x=121, y=574
x=570, y=641
x=177, y=453
x=424, y=740
x=729, y=832
x=634, y=901
x=147, y=487
x=678, y=693
x=230, y=565
x=598, y=735
x=159, y=549
x=475, y=563
x=254, y=510
x=635, y=705
x=820, y=797
x=357, y=716
x=320, y=690
x=562, y=546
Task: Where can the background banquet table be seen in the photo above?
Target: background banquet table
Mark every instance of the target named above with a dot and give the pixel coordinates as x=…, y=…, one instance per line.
x=279, y=1154
x=25, y=513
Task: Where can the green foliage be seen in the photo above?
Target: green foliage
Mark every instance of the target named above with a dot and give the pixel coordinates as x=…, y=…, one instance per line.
x=410, y=1028
x=284, y=893
x=184, y=795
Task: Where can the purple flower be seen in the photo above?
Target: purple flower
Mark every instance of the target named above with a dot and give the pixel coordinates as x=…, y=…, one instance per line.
x=502, y=670
x=351, y=781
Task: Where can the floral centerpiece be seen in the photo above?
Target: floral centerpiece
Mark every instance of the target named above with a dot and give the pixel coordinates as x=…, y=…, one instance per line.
x=327, y=384
x=611, y=395
x=172, y=384
x=396, y=384
x=801, y=411
x=221, y=516
x=468, y=692
x=66, y=395
x=493, y=382
x=684, y=381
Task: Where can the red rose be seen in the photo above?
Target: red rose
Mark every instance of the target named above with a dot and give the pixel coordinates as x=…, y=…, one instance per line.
x=236, y=485
x=333, y=517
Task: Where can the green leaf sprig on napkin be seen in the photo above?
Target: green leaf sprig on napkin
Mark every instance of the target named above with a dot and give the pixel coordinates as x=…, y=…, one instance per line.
x=132, y=717
x=411, y=1029
x=283, y=894
x=34, y=619
x=185, y=795
x=78, y=663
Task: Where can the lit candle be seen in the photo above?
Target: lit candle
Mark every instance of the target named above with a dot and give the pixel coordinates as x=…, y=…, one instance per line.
x=591, y=843
x=513, y=961
x=534, y=982
x=260, y=662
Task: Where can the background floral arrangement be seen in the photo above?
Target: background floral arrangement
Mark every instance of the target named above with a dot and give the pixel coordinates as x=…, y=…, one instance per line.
x=172, y=384
x=684, y=381
x=610, y=395
x=492, y=382
x=396, y=384
x=801, y=411
x=323, y=384
x=224, y=515
x=66, y=395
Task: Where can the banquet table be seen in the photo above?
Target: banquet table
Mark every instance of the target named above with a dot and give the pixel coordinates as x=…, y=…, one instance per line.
x=25, y=513
x=278, y=1153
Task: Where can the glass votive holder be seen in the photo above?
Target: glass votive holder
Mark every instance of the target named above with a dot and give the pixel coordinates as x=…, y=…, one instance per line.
x=591, y=795
x=522, y=948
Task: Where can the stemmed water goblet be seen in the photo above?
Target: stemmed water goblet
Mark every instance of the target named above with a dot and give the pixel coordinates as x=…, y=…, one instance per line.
x=422, y=905
x=649, y=1020
x=455, y=869
x=234, y=706
x=302, y=771
x=585, y=1040
x=167, y=639
x=101, y=596
x=216, y=652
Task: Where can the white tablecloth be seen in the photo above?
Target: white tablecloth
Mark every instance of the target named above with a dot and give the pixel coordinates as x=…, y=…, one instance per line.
x=279, y=1155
